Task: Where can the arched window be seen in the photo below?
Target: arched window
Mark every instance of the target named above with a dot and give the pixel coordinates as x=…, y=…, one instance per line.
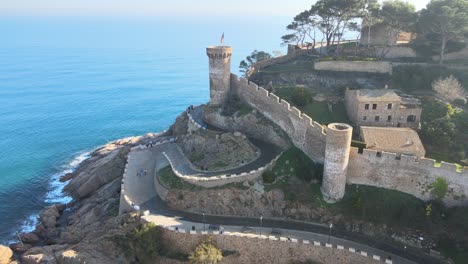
x=411, y=118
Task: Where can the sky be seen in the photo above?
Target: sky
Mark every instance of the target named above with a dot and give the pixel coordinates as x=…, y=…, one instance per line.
x=161, y=7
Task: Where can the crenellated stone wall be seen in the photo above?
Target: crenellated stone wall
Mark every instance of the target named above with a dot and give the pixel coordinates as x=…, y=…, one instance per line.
x=407, y=174
x=380, y=169
x=306, y=134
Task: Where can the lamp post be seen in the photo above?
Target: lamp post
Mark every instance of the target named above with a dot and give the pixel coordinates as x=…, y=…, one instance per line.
x=261, y=224
x=329, y=234
x=204, y=221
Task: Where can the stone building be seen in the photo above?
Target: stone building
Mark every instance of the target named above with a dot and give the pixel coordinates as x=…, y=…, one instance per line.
x=381, y=36
x=382, y=108
x=397, y=140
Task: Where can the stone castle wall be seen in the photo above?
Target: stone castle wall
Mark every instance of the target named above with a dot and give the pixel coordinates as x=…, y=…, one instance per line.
x=222, y=179
x=385, y=170
x=384, y=67
x=268, y=249
x=306, y=134
x=407, y=174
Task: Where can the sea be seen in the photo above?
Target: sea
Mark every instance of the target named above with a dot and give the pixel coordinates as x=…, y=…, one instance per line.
x=71, y=84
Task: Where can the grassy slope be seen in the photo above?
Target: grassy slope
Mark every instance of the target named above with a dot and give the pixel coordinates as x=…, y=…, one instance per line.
x=318, y=111
x=299, y=179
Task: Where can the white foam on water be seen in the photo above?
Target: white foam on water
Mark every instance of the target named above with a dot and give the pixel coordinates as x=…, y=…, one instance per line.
x=55, y=193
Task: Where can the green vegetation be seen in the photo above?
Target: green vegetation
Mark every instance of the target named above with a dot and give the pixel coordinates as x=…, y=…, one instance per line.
x=244, y=110
x=206, y=253
x=171, y=181
x=444, y=131
x=318, y=111
x=329, y=58
x=219, y=165
x=197, y=157
x=303, y=66
x=301, y=97
x=439, y=188
x=145, y=245
x=442, y=21
x=417, y=77
x=254, y=57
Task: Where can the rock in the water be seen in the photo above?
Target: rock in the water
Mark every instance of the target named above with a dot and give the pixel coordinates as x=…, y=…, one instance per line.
x=29, y=238
x=66, y=177
x=5, y=255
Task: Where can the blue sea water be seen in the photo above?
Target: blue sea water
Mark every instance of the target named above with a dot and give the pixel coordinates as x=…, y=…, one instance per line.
x=71, y=84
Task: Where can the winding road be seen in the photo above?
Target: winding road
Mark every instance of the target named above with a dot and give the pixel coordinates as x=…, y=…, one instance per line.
x=147, y=193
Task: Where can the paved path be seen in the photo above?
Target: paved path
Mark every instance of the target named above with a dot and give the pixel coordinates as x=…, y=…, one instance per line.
x=141, y=191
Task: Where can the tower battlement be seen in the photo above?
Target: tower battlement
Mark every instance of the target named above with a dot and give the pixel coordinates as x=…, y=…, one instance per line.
x=219, y=52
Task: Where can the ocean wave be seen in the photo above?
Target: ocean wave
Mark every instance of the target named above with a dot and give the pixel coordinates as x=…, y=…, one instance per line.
x=55, y=193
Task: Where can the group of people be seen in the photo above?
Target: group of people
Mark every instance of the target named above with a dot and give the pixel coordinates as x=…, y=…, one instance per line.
x=142, y=172
x=150, y=144
x=190, y=108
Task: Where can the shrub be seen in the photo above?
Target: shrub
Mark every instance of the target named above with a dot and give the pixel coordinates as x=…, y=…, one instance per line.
x=206, y=253
x=301, y=96
x=268, y=177
x=439, y=188
x=144, y=244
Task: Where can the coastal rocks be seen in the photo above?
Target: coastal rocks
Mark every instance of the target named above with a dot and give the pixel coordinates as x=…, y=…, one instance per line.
x=19, y=248
x=97, y=172
x=66, y=177
x=49, y=216
x=29, y=238
x=5, y=255
x=42, y=255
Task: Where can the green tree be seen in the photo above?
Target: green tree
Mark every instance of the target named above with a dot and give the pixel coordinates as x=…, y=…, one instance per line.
x=256, y=56
x=397, y=16
x=370, y=17
x=304, y=26
x=439, y=131
x=333, y=17
x=440, y=188
x=206, y=253
x=446, y=20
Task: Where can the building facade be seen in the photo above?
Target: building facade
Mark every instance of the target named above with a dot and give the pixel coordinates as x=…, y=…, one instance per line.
x=382, y=108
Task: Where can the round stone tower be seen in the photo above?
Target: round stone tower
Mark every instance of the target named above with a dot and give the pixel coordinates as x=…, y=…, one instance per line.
x=220, y=73
x=338, y=145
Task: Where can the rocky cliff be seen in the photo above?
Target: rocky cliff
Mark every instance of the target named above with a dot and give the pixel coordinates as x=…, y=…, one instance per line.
x=82, y=231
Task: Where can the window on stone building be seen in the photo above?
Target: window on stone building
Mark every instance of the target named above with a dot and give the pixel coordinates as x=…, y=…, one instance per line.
x=389, y=118
x=377, y=118
x=411, y=118
x=364, y=118
x=389, y=106
x=374, y=106
x=366, y=107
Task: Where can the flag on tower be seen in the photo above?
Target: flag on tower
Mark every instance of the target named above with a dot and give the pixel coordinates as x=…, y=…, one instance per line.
x=222, y=38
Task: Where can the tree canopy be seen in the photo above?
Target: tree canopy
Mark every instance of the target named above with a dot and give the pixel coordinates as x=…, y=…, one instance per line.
x=442, y=21
x=254, y=57
x=397, y=16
